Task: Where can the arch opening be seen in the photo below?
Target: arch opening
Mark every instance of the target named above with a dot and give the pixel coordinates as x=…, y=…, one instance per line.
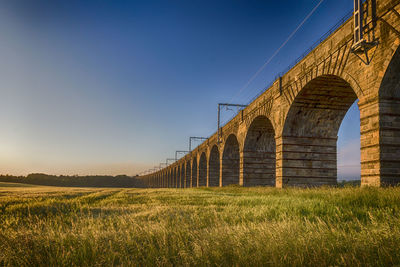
x=163, y=179
x=174, y=178
x=171, y=178
x=389, y=128
x=203, y=170
x=213, y=167
x=178, y=177
x=348, y=147
x=259, y=154
x=194, y=172
x=310, y=133
x=230, y=161
x=183, y=176
x=188, y=171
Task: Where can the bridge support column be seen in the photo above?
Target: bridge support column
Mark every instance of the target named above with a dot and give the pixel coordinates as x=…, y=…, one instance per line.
x=380, y=141
x=241, y=168
x=220, y=170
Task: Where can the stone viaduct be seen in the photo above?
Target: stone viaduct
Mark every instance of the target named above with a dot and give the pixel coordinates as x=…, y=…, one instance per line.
x=288, y=135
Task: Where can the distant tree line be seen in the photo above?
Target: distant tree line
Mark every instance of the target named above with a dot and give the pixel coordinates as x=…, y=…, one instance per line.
x=75, y=181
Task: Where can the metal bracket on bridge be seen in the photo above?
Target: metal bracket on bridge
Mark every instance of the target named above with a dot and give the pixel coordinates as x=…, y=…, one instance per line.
x=361, y=46
x=362, y=49
x=166, y=161
x=192, y=138
x=227, y=105
x=180, y=152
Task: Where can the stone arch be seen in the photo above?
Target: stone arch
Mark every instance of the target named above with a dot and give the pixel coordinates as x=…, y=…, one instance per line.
x=230, y=129
x=213, y=167
x=203, y=170
x=188, y=172
x=308, y=141
x=194, y=172
x=259, y=153
x=230, y=161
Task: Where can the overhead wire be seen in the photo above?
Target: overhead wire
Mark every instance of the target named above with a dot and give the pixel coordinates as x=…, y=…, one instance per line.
x=276, y=52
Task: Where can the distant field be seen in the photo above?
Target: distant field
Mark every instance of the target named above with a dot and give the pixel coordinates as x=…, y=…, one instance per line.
x=2, y=184
x=220, y=226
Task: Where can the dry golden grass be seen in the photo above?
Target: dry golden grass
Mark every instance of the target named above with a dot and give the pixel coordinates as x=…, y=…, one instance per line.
x=202, y=227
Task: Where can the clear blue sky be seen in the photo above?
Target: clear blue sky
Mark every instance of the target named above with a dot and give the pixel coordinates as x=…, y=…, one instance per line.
x=111, y=87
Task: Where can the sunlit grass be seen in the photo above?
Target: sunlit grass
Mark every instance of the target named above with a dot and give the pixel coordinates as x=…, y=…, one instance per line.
x=208, y=226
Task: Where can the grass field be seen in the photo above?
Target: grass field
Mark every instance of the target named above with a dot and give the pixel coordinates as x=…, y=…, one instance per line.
x=218, y=227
